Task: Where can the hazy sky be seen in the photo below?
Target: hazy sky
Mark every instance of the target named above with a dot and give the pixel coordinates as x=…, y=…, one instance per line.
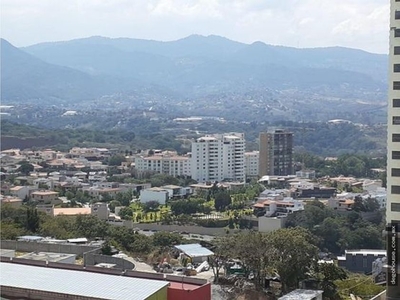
x=359, y=24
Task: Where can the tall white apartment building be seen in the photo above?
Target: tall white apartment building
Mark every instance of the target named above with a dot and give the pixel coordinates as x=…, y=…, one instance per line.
x=218, y=157
x=393, y=157
x=251, y=162
x=171, y=165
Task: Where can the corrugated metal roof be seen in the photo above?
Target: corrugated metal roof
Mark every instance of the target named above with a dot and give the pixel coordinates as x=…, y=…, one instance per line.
x=194, y=250
x=301, y=295
x=80, y=283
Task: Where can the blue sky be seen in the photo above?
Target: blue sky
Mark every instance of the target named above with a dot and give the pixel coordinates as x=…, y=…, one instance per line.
x=361, y=24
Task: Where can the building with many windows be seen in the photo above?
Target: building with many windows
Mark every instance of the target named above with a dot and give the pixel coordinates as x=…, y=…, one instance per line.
x=218, y=157
x=251, y=162
x=165, y=163
x=276, y=153
x=393, y=156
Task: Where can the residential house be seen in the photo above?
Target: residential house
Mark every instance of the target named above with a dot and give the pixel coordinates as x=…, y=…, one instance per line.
x=21, y=192
x=317, y=192
x=99, y=192
x=283, y=207
x=134, y=187
x=12, y=201
x=176, y=192
x=45, y=197
x=100, y=210
x=341, y=204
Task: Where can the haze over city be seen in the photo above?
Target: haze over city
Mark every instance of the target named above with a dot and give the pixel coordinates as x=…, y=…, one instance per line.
x=361, y=24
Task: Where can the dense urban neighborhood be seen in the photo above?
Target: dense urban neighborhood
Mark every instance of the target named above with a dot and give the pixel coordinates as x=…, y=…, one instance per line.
x=196, y=214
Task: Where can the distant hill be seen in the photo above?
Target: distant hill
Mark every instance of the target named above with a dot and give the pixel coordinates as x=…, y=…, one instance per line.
x=191, y=67
x=25, y=77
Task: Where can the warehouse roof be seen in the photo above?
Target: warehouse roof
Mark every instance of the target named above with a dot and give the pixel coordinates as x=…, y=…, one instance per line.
x=86, y=284
x=194, y=250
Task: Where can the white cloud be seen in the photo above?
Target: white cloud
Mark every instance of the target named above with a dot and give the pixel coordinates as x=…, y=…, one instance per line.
x=305, y=23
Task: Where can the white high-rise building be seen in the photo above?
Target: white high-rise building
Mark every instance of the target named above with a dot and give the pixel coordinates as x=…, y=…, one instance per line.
x=393, y=156
x=218, y=157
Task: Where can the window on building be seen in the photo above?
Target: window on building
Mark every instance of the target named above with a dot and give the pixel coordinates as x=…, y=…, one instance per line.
x=396, y=85
x=395, y=154
x=395, y=207
x=396, y=102
x=395, y=189
x=397, y=32
x=396, y=68
x=396, y=50
x=397, y=15
x=396, y=120
x=395, y=137
x=395, y=172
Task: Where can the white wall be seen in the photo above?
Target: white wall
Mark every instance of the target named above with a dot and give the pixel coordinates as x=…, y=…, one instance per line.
x=266, y=224
x=150, y=195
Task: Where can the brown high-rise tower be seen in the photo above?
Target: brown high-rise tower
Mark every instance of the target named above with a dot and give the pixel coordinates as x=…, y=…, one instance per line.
x=276, y=153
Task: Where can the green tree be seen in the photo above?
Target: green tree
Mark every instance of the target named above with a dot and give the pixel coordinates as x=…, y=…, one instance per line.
x=151, y=206
x=90, y=226
x=124, y=198
x=358, y=204
x=106, y=197
x=126, y=213
x=371, y=204
x=116, y=160
x=113, y=204
x=10, y=231
x=69, y=195
x=330, y=273
x=106, y=248
x=25, y=168
x=60, y=227
x=293, y=255
x=166, y=239
x=32, y=220
x=222, y=200
x=330, y=233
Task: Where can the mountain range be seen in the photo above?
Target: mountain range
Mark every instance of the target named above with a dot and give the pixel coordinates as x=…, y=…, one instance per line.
x=196, y=66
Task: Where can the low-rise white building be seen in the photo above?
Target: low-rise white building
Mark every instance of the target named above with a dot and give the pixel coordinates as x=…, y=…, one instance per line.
x=279, y=207
x=173, y=165
x=154, y=194
x=175, y=191
x=22, y=192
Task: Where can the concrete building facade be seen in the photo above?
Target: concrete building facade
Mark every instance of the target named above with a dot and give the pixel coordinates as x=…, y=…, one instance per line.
x=276, y=153
x=393, y=157
x=171, y=165
x=154, y=194
x=218, y=157
x=251, y=163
